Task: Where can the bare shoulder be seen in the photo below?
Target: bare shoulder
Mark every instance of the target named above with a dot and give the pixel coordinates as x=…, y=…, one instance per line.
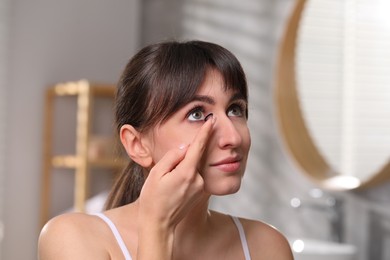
x=265, y=241
x=71, y=236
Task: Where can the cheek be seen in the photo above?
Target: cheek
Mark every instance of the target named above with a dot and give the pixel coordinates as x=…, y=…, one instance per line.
x=246, y=139
x=167, y=139
x=249, y=138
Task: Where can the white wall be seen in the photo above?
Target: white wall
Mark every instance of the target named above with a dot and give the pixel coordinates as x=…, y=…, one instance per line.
x=4, y=4
x=53, y=41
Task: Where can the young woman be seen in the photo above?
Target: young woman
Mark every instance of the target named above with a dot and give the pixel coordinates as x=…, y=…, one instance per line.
x=181, y=113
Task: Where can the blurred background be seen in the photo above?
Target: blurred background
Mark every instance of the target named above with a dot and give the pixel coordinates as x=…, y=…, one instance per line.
x=45, y=42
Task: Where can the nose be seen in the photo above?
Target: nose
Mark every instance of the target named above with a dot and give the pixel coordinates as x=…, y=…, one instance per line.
x=227, y=133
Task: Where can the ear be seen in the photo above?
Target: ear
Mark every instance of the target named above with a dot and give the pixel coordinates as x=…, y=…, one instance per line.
x=136, y=148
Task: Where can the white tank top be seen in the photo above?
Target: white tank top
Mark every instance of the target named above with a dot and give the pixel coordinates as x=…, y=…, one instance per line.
x=127, y=255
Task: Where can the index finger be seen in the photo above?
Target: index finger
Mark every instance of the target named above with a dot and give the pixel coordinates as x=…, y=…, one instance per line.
x=198, y=145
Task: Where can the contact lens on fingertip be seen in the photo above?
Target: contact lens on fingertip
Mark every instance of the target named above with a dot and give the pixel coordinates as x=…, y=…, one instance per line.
x=209, y=116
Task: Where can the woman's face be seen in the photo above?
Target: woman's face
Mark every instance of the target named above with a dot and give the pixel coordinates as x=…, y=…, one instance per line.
x=224, y=160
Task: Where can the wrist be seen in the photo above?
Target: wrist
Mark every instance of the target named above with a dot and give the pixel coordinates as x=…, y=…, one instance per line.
x=155, y=241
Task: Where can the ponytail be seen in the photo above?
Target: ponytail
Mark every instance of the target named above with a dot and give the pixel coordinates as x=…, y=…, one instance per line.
x=127, y=186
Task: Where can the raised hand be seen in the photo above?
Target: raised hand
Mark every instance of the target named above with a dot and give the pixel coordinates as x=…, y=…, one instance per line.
x=174, y=183
x=174, y=186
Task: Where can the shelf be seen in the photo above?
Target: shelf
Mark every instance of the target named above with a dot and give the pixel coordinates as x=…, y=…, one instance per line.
x=81, y=162
x=76, y=88
x=72, y=162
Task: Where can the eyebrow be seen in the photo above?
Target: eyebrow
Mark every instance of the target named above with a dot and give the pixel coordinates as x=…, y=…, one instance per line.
x=206, y=99
x=238, y=96
x=211, y=101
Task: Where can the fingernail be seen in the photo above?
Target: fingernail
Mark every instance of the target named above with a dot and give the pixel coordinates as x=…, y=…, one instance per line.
x=182, y=146
x=208, y=117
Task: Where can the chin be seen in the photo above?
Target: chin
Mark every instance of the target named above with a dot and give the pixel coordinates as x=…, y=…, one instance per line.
x=224, y=187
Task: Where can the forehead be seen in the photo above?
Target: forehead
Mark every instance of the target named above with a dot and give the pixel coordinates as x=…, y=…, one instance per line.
x=213, y=88
x=212, y=81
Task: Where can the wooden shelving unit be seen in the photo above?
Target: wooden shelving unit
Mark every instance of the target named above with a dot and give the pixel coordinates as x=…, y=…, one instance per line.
x=81, y=162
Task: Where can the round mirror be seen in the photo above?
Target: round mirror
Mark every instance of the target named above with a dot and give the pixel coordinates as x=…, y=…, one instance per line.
x=333, y=91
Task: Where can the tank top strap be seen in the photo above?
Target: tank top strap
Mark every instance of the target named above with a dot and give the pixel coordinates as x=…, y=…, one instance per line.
x=244, y=242
x=116, y=234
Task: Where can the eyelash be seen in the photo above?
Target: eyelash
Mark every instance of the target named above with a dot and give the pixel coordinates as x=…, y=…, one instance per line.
x=199, y=108
x=241, y=106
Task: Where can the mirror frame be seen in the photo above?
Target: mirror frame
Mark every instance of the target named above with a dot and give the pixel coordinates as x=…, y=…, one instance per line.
x=295, y=135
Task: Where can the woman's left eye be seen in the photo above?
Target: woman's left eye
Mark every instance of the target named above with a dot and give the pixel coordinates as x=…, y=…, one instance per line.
x=235, y=110
x=196, y=114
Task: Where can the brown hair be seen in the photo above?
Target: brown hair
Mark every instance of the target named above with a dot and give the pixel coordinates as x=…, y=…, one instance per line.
x=158, y=81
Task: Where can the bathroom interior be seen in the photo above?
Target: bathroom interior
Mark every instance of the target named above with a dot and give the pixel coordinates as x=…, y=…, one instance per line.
x=319, y=111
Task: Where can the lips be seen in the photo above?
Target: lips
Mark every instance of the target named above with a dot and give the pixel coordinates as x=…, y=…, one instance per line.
x=229, y=164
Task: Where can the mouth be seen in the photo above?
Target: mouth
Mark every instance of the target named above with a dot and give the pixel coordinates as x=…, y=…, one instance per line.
x=230, y=164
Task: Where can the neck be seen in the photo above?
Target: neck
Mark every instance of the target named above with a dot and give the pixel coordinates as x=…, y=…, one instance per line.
x=196, y=220
x=194, y=232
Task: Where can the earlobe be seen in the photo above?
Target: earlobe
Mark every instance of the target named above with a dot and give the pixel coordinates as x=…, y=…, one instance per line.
x=136, y=149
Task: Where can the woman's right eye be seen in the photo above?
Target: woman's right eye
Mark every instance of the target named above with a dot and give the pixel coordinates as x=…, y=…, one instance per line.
x=196, y=114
